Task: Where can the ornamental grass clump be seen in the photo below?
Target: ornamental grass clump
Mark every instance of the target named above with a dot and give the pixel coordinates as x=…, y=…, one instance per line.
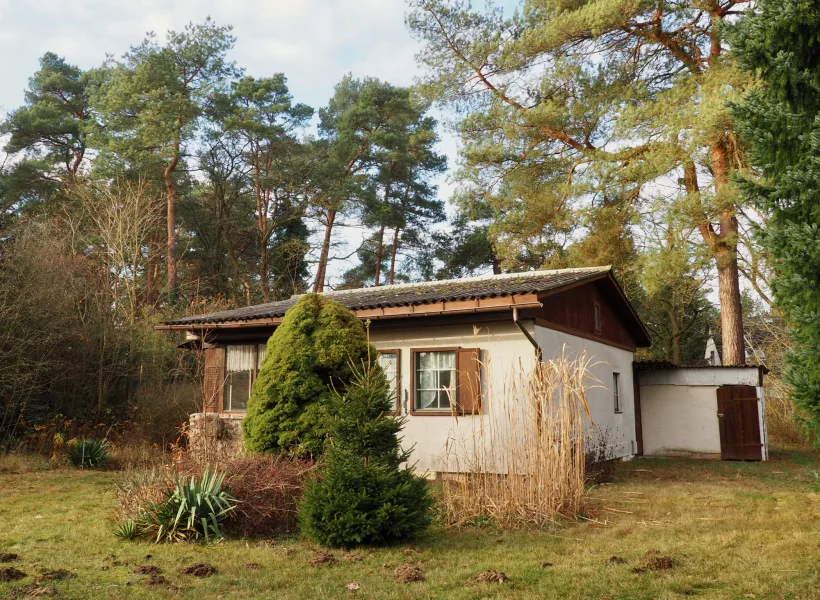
x=310, y=353
x=89, y=453
x=363, y=495
x=525, y=463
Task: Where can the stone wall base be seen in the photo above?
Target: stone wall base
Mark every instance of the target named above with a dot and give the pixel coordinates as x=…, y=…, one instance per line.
x=214, y=437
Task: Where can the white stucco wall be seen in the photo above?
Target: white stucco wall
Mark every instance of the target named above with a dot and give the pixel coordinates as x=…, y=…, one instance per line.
x=618, y=427
x=679, y=419
x=438, y=442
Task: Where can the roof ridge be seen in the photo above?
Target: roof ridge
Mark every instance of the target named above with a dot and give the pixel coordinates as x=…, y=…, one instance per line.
x=493, y=277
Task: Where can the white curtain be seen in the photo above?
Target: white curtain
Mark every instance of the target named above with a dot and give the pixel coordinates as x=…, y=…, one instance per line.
x=240, y=358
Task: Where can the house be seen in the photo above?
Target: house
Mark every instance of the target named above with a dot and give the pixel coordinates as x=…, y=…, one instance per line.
x=449, y=348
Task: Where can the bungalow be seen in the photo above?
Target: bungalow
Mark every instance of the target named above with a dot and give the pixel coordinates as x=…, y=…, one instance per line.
x=435, y=338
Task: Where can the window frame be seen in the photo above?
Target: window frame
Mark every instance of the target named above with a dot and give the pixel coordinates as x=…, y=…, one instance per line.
x=227, y=377
x=616, y=392
x=432, y=412
x=397, y=352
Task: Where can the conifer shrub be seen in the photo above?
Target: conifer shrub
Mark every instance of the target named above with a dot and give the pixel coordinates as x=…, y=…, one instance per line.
x=362, y=494
x=310, y=353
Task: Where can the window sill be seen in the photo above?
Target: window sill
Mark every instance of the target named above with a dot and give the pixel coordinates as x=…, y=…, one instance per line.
x=442, y=413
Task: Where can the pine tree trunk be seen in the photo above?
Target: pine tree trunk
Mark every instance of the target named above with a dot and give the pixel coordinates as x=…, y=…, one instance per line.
x=319, y=284
x=379, y=254
x=171, y=194
x=731, y=312
x=171, y=256
x=393, y=252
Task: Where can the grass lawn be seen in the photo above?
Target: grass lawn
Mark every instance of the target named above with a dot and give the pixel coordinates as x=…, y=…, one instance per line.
x=732, y=530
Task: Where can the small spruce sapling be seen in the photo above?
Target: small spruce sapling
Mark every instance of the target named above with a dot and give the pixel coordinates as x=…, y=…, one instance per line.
x=363, y=495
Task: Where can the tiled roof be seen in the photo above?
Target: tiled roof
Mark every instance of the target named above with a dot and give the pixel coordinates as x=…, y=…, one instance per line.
x=416, y=293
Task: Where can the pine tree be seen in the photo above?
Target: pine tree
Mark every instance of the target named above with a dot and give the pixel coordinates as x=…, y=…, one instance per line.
x=363, y=496
x=310, y=353
x=779, y=122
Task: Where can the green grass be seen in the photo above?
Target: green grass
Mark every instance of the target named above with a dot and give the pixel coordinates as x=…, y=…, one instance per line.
x=733, y=530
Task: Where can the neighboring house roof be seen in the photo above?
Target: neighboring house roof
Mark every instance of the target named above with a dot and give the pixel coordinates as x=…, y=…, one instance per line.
x=663, y=365
x=488, y=293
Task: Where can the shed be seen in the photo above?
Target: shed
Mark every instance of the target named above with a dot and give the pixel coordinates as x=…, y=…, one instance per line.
x=702, y=410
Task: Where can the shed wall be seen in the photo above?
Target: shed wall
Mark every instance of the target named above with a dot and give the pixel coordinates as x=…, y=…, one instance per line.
x=679, y=419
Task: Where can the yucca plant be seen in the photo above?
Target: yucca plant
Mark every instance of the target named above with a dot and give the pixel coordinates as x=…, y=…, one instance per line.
x=191, y=511
x=90, y=453
x=130, y=529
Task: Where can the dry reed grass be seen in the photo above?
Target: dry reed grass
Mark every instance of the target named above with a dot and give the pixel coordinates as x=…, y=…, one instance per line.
x=524, y=463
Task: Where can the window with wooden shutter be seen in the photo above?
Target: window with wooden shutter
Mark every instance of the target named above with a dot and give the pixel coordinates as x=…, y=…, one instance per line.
x=468, y=381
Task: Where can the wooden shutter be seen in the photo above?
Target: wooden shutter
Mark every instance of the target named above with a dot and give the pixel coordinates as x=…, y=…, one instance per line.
x=468, y=381
x=214, y=379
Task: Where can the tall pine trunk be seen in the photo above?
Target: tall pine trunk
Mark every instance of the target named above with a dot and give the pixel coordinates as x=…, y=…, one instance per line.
x=393, y=252
x=321, y=271
x=379, y=255
x=171, y=194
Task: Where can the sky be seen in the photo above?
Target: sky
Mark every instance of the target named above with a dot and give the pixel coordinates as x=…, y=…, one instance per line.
x=313, y=42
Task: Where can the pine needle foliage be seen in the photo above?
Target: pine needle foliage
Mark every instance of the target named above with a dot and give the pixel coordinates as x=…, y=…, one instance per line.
x=309, y=354
x=363, y=495
x=780, y=122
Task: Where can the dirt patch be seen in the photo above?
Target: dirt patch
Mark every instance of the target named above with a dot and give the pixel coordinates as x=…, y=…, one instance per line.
x=147, y=570
x=253, y=566
x=352, y=557
x=155, y=579
x=659, y=563
x=490, y=577
x=408, y=574
x=323, y=559
x=33, y=590
x=200, y=570
x=655, y=561
x=546, y=565
x=616, y=560
x=7, y=557
x=56, y=575
x=11, y=574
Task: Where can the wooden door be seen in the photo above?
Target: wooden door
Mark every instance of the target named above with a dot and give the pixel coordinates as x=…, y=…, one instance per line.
x=739, y=423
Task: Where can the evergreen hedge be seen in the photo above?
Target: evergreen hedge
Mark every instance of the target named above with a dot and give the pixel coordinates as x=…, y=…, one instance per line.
x=313, y=351
x=363, y=496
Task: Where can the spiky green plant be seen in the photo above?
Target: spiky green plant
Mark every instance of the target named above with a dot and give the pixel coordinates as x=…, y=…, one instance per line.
x=90, y=453
x=191, y=511
x=130, y=529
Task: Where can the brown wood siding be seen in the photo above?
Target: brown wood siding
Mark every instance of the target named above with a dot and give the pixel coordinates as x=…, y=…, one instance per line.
x=573, y=311
x=214, y=381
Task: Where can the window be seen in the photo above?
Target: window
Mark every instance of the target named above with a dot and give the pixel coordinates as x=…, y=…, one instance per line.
x=597, y=316
x=712, y=358
x=389, y=362
x=242, y=364
x=435, y=379
x=616, y=391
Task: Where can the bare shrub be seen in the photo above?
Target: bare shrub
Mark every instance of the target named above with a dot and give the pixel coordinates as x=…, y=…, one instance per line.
x=268, y=489
x=600, y=460
x=525, y=463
